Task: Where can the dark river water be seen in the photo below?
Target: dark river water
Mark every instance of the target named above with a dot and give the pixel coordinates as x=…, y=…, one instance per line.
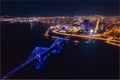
x=83, y=61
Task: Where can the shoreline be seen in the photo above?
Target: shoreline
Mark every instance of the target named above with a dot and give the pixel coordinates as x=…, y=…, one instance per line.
x=106, y=40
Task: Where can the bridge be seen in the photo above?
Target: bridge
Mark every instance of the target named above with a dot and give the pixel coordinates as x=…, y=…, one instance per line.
x=40, y=54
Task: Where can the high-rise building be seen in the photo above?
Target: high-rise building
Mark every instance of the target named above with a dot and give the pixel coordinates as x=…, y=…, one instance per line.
x=96, y=27
x=85, y=24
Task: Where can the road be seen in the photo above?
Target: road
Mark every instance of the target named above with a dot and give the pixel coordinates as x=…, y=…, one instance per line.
x=98, y=37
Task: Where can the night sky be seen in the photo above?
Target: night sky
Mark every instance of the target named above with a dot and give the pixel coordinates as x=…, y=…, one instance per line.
x=59, y=7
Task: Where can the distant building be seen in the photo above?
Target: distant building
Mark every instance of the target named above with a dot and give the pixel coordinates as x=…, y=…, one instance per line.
x=97, y=25
x=85, y=24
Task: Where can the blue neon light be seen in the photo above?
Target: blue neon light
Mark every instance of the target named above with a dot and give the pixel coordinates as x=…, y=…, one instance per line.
x=37, y=53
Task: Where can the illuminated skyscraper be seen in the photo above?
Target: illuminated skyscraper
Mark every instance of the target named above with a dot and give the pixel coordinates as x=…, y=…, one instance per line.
x=85, y=24
x=96, y=27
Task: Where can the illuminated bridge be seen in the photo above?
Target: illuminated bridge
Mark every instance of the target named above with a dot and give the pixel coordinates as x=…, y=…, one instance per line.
x=40, y=54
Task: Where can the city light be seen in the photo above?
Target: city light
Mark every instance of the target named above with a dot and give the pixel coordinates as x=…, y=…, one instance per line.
x=91, y=31
x=60, y=39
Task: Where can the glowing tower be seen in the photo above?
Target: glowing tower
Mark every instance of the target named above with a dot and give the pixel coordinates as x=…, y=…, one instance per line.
x=96, y=27
x=85, y=24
